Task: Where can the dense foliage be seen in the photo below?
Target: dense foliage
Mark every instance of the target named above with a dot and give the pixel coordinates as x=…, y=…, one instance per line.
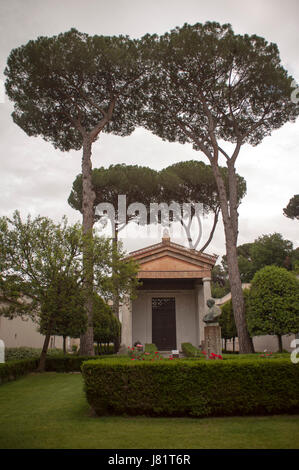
x=274, y=303
x=106, y=327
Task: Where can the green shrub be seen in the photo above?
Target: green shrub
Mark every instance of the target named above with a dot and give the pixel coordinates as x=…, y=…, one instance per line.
x=195, y=388
x=23, y=352
x=16, y=354
x=103, y=349
x=15, y=369
x=150, y=347
x=189, y=350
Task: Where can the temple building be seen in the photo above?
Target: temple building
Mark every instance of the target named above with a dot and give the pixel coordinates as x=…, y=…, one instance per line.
x=171, y=301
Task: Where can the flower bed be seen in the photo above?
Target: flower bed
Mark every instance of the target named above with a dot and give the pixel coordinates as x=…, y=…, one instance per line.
x=195, y=388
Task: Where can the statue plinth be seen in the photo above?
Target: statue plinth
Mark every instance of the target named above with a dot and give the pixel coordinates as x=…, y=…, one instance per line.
x=212, y=339
x=212, y=330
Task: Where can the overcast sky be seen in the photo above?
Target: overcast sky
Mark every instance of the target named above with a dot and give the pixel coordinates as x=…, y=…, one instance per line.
x=37, y=179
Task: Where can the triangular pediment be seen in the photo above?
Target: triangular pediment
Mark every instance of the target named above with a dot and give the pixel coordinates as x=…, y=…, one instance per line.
x=170, y=260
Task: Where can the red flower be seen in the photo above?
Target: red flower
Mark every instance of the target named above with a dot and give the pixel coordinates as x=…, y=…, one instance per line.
x=156, y=352
x=204, y=352
x=132, y=359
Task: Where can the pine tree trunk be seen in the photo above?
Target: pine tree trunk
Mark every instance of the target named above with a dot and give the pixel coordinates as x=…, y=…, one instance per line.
x=116, y=293
x=230, y=221
x=279, y=338
x=86, y=339
x=245, y=342
x=64, y=344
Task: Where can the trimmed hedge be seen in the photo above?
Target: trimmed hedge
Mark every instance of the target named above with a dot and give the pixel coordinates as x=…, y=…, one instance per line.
x=24, y=352
x=66, y=363
x=14, y=369
x=194, y=388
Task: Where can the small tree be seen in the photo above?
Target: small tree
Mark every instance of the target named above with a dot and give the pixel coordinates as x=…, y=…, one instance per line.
x=42, y=270
x=227, y=320
x=62, y=310
x=274, y=303
x=106, y=326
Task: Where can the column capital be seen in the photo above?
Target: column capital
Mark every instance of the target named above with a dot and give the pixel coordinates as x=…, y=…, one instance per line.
x=206, y=279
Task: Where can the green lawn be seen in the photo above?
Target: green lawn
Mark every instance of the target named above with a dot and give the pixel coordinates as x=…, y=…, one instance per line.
x=50, y=411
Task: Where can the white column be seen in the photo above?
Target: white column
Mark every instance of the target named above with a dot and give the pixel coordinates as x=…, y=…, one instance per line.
x=199, y=310
x=2, y=351
x=126, y=324
x=203, y=293
x=206, y=291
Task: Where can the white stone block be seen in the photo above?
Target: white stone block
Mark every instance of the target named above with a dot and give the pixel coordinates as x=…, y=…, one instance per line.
x=2, y=351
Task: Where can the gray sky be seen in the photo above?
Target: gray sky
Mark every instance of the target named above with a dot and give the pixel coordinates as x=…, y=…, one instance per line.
x=36, y=178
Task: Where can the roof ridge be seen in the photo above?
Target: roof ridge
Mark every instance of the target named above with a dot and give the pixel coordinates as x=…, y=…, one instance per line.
x=175, y=245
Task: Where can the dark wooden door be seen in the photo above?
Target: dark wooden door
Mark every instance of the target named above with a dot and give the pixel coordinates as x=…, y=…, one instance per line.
x=163, y=323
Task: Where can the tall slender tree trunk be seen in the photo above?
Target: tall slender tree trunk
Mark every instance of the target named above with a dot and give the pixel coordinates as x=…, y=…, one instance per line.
x=216, y=216
x=86, y=339
x=230, y=221
x=279, y=338
x=42, y=359
x=245, y=342
x=64, y=344
x=116, y=289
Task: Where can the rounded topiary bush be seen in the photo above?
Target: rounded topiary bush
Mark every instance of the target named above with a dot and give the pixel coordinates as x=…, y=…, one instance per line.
x=274, y=303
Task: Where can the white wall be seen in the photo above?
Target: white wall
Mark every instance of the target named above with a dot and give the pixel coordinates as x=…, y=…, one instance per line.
x=17, y=332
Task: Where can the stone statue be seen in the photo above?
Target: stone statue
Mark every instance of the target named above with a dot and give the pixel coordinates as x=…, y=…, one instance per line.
x=213, y=313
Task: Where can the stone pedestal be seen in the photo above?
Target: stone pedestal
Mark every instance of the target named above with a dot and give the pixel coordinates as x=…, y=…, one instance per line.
x=212, y=339
x=126, y=323
x=2, y=351
x=203, y=293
